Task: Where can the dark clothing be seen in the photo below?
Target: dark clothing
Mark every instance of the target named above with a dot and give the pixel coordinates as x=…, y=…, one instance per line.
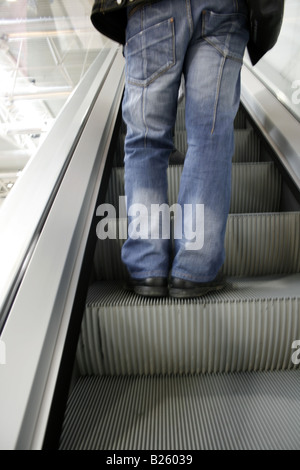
x=265, y=20
x=265, y=25
x=203, y=41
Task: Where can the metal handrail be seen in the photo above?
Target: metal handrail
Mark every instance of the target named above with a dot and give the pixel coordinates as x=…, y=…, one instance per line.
x=25, y=209
x=277, y=124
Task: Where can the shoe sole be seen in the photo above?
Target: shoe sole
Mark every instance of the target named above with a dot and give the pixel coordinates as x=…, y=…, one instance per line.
x=148, y=291
x=152, y=291
x=190, y=293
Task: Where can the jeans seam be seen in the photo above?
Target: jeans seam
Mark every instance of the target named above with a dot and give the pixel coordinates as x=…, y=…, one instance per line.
x=138, y=7
x=134, y=10
x=148, y=81
x=189, y=16
x=221, y=68
x=226, y=55
x=144, y=120
x=142, y=19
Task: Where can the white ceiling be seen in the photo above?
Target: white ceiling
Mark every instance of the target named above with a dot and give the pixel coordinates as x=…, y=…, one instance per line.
x=47, y=45
x=45, y=48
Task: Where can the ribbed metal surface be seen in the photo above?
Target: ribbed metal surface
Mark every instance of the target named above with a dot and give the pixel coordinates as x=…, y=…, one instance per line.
x=180, y=118
x=245, y=327
x=245, y=411
x=261, y=244
x=240, y=121
x=247, y=145
x=256, y=245
x=115, y=186
x=118, y=159
x=256, y=187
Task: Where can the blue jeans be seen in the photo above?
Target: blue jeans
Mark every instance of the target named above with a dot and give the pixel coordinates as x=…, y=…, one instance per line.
x=205, y=41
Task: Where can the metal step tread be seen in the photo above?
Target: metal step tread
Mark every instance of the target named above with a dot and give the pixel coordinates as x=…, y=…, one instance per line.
x=241, y=289
x=241, y=411
x=250, y=325
x=240, y=121
x=256, y=186
x=247, y=145
x=256, y=244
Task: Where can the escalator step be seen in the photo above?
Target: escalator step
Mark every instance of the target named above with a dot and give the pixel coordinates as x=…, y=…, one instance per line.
x=255, y=244
x=244, y=411
x=249, y=325
x=247, y=145
x=240, y=121
x=256, y=187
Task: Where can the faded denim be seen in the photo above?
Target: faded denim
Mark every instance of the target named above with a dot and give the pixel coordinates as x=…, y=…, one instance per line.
x=205, y=41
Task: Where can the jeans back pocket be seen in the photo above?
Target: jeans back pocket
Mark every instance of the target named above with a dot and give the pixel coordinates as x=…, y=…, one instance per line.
x=150, y=53
x=227, y=32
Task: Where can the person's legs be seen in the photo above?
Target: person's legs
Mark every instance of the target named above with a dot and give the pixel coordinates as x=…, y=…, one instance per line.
x=154, y=55
x=205, y=39
x=212, y=78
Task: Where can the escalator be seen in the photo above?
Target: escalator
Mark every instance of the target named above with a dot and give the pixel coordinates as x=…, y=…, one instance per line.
x=217, y=372
x=85, y=364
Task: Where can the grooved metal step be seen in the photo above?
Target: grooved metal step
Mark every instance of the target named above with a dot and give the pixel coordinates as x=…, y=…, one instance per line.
x=244, y=411
x=250, y=325
x=256, y=187
x=247, y=145
x=255, y=244
x=240, y=121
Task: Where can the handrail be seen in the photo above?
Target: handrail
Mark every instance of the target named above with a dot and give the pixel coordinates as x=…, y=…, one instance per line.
x=277, y=124
x=25, y=210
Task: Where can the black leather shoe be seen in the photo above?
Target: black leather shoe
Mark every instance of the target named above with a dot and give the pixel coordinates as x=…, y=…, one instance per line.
x=149, y=287
x=183, y=289
x=176, y=158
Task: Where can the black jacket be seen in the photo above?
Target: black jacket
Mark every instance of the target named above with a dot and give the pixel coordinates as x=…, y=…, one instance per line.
x=265, y=20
